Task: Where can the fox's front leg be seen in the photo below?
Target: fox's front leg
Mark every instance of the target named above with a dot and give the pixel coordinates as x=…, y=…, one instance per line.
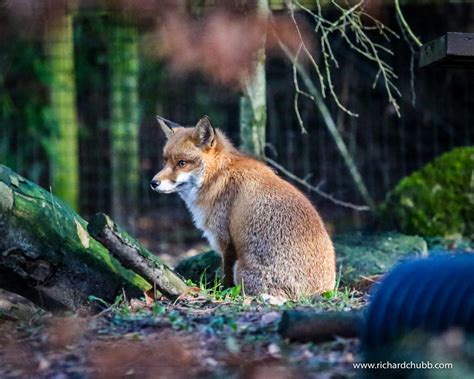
x=229, y=258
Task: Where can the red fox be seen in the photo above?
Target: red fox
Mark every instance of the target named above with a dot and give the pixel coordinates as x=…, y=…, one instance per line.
x=271, y=238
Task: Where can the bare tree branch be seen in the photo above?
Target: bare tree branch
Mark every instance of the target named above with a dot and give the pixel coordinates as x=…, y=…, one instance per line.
x=331, y=126
x=352, y=26
x=316, y=189
x=405, y=24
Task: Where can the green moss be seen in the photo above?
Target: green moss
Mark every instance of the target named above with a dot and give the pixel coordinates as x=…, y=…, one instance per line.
x=56, y=229
x=6, y=198
x=202, y=267
x=437, y=200
x=362, y=255
x=358, y=255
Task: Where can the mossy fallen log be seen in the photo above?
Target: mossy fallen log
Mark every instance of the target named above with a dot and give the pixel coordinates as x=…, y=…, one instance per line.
x=46, y=253
x=135, y=256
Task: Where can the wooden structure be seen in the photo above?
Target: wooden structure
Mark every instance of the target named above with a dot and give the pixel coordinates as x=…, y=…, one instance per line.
x=451, y=50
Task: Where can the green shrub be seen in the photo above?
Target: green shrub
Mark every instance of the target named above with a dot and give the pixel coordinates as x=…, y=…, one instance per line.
x=437, y=200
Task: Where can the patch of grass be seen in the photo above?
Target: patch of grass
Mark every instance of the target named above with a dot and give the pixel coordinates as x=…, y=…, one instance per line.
x=339, y=299
x=217, y=291
x=119, y=306
x=178, y=322
x=342, y=299
x=158, y=309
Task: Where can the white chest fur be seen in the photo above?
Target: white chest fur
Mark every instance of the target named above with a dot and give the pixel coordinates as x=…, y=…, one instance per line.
x=190, y=198
x=199, y=216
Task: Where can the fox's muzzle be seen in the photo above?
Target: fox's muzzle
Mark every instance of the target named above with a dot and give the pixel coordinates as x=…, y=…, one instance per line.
x=154, y=184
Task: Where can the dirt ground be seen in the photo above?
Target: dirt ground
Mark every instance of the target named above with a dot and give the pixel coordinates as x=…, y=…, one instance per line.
x=206, y=335
x=197, y=337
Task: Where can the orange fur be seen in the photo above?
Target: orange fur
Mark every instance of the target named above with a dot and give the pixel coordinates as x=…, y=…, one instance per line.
x=270, y=236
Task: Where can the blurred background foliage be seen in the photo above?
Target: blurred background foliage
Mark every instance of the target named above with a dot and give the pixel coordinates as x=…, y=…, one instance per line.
x=25, y=113
x=385, y=147
x=437, y=200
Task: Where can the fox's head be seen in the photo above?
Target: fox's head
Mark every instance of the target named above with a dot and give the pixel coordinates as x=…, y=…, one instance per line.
x=186, y=155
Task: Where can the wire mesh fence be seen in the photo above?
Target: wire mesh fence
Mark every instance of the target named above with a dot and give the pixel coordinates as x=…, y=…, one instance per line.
x=118, y=88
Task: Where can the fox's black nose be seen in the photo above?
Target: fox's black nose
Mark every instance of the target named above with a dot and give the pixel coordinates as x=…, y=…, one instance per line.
x=154, y=184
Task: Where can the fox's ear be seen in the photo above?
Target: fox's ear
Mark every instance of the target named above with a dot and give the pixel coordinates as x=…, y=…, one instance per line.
x=165, y=126
x=204, y=133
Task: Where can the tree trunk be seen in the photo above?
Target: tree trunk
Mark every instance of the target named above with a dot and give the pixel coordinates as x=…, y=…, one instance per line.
x=311, y=326
x=134, y=256
x=253, y=104
x=64, y=141
x=124, y=122
x=46, y=253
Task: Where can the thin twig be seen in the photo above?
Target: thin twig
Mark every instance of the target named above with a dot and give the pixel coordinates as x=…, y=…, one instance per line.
x=331, y=126
x=405, y=24
x=353, y=20
x=412, y=62
x=297, y=94
x=305, y=49
x=314, y=189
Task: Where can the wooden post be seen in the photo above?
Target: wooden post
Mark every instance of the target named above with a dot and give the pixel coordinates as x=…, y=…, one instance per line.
x=454, y=50
x=253, y=104
x=124, y=121
x=64, y=141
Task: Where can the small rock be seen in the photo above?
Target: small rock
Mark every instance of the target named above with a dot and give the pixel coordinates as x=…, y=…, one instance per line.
x=274, y=350
x=307, y=354
x=273, y=300
x=210, y=362
x=232, y=345
x=270, y=317
x=349, y=358
x=43, y=364
x=247, y=301
x=136, y=304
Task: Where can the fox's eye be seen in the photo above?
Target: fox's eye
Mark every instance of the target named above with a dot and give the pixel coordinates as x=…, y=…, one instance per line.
x=182, y=163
